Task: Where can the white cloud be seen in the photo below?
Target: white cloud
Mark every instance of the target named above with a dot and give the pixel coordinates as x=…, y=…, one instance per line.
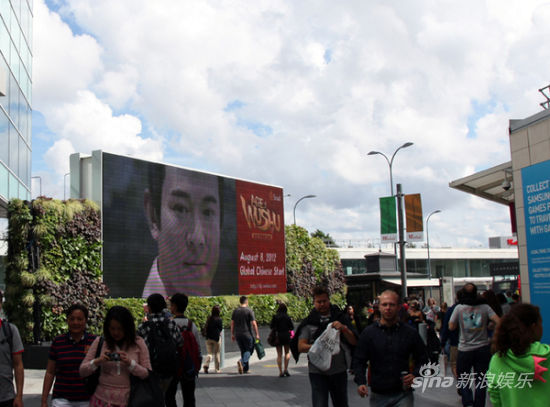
x=330, y=82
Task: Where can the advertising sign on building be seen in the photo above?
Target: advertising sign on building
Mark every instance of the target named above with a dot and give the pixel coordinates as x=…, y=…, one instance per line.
x=169, y=229
x=261, y=239
x=536, y=198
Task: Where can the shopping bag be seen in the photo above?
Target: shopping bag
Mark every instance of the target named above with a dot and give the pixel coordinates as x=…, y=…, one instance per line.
x=259, y=348
x=325, y=346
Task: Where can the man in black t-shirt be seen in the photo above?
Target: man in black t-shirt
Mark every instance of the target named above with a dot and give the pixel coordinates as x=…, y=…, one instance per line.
x=389, y=346
x=242, y=322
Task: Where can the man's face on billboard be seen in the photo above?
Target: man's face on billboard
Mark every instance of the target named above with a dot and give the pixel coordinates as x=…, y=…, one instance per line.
x=189, y=231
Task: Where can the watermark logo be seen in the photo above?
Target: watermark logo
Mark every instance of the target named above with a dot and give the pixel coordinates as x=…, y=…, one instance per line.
x=430, y=378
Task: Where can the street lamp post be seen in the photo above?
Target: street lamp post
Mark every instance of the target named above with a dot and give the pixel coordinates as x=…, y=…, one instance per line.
x=298, y=201
x=428, y=247
x=390, y=161
x=390, y=165
x=65, y=185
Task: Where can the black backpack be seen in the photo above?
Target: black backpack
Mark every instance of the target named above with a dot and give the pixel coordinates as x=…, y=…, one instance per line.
x=162, y=349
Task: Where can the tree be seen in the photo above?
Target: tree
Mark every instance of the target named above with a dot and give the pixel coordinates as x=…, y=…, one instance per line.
x=326, y=238
x=309, y=262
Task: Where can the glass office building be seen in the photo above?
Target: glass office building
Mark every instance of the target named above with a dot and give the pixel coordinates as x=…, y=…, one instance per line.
x=15, y=100
x=15, y=109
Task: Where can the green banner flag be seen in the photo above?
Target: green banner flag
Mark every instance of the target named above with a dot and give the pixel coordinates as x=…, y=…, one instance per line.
x=388, y=219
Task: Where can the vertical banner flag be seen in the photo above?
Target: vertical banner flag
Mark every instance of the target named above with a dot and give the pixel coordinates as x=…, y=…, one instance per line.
x=388, y=220
x=536, y=200
x=415, y=222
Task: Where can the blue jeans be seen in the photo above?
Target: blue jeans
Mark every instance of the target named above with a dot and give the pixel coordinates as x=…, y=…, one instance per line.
x=478, y=359
x=322, y=385
x=402, y=399
x=246, y=345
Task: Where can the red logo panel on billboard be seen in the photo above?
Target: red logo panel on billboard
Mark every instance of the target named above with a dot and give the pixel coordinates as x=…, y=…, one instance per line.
x=260, y=239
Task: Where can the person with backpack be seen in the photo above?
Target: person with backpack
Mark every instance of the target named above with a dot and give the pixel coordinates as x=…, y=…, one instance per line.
x=11, y=364
x=163, y=339
x=190, y=354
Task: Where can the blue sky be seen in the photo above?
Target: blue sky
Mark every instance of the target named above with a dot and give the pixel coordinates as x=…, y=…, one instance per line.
x=296, y=94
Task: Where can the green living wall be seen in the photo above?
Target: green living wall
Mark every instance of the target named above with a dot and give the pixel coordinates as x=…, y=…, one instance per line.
x=54, y=260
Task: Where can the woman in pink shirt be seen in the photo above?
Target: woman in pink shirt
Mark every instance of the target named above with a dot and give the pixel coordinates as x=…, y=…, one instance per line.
x=123, y=353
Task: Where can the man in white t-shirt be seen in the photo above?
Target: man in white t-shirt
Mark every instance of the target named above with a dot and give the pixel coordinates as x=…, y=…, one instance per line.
x=472, y=316
x=11, y=364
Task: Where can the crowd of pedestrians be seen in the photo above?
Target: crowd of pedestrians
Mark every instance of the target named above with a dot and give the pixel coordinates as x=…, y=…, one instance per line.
x=491, y=346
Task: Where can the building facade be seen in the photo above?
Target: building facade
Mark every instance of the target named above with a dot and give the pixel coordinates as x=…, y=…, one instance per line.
x=369, y=272
x=15, y=100
x=524, y=185
x=16, y=18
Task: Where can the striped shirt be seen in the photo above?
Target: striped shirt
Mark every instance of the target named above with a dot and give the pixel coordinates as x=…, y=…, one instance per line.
x=68, y=356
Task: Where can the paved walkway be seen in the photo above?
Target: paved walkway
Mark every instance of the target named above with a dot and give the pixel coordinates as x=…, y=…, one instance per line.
x=261, y=387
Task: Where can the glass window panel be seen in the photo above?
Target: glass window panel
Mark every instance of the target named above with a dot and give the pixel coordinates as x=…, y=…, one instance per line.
x=4, y=41
x=4, y=137
x=29, y=29
x=13, y=186
x=25, y=15
x=14, y=146
x=5, y=100
x=22, y=191
x=4, y=181
x=20, y=111
x=13, y=24
x=16, y=4
x=23, y=119
x=22, y=172
x=26, y=56
x=14, y=61
x=28, y=131
x=5, y=11
x=14, y=99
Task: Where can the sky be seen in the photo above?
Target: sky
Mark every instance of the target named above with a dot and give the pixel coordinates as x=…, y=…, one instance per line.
x=295, y=94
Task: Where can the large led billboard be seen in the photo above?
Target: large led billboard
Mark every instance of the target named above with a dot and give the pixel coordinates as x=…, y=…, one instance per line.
x=168, y=229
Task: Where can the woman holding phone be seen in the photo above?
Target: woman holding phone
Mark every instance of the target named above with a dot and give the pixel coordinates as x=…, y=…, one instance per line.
x=122, y=354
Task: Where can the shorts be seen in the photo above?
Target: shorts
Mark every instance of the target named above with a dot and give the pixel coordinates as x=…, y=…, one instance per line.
x=58, y=402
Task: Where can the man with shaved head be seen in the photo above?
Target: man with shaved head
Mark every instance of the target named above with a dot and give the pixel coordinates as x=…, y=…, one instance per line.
x=389, y=345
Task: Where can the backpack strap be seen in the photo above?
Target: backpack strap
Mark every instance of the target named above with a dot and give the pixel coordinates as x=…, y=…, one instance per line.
x=99, y=346
x=8, y=335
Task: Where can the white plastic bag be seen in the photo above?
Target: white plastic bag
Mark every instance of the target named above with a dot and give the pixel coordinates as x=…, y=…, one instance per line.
x=325, y=346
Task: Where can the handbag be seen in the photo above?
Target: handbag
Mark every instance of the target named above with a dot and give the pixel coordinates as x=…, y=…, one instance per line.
x=259, y=348
x=273, y=338
x=146, y=392
x=91, y=382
